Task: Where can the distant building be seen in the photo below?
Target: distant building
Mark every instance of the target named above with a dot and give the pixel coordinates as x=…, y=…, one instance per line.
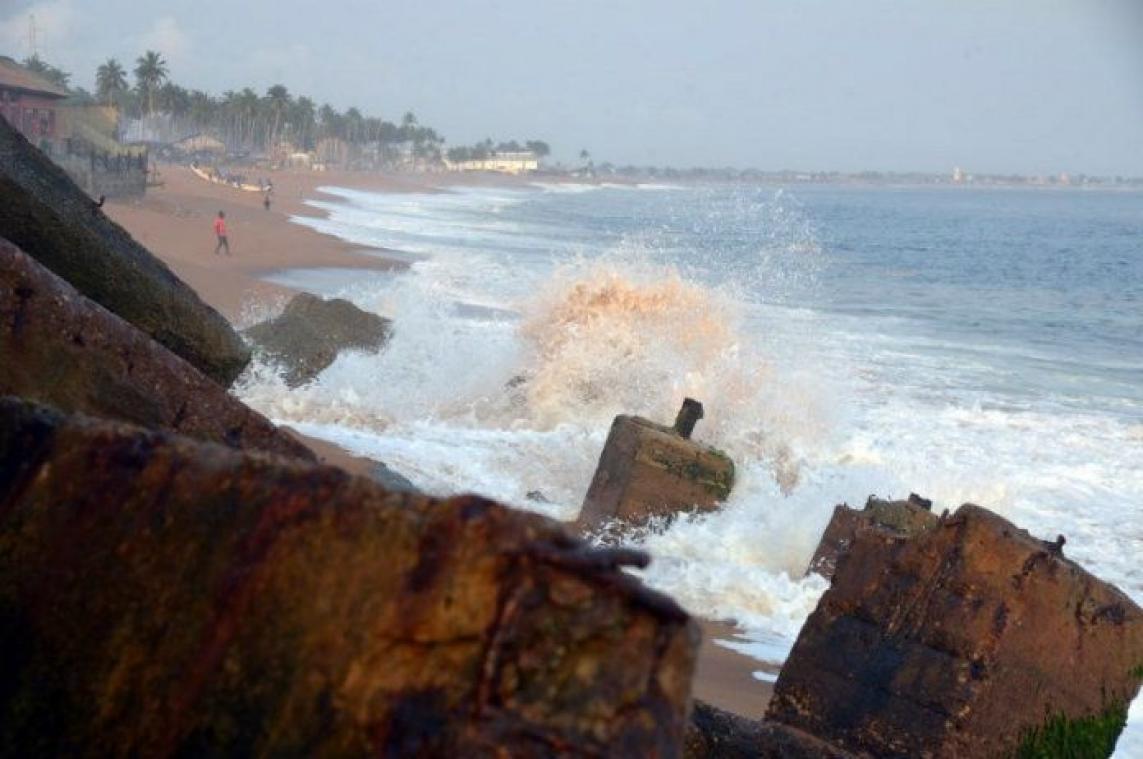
x=29, y=102
x=520, y=162
x=958, y=176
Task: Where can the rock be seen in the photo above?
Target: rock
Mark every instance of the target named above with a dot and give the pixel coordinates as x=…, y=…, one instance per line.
x=649, y=470
x=901, y=518
x=971, y=638
x=391, y=479
x=309, y=334
x=713, y=732
x=61, y=349
x=44, y=213
x=161, y=596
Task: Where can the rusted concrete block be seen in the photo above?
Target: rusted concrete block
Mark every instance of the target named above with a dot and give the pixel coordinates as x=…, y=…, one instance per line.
x=160, y=596
x=900, y=518
x=648, y=470
x=54, y=221
x=59, y=348
x=971, y=638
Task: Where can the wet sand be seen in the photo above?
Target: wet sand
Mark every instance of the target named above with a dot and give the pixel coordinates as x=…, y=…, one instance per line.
x=175, y=221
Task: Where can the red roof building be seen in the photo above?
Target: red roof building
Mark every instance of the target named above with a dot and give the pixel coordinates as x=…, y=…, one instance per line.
x=28, y=101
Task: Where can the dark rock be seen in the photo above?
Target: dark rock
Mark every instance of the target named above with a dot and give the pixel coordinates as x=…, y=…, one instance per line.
x=392, y=480
x=309, y=334
x=713, y=732
x=160, y=596
x=44, y=213
x=899, y=518
x=61, y=349
x=536, y=496
x=648, y=470
x=970, y=638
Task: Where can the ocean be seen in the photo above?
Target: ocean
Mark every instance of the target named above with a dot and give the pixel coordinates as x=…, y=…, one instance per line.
x=980, y=345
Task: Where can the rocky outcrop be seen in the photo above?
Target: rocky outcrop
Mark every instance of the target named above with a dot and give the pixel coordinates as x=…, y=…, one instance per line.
x=160, y=596
x=899, y=518
x=309, y=334
x=971, y=638
x=648, y=470
x=713, y=732
x=45, y=214
x=59, y=348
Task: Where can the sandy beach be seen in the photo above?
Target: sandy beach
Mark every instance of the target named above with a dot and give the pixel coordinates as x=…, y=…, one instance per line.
x=175, y=220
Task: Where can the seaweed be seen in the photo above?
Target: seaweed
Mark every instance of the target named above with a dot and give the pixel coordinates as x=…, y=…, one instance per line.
x=1064, y=738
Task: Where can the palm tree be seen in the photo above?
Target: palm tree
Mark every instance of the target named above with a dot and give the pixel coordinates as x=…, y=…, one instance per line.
x=278, y=98
x=110, y=81
x=303, y=116
x=150, y=73
x=38, y=65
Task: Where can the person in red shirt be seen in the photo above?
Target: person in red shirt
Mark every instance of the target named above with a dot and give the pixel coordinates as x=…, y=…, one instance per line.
x=220, y=230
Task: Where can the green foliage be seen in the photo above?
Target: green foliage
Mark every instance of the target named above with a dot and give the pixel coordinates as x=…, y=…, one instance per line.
x=1136, y=672
x=56, y=76
x=1062, y=738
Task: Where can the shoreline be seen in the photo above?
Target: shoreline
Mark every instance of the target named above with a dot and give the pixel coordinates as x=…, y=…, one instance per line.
x=174, y=221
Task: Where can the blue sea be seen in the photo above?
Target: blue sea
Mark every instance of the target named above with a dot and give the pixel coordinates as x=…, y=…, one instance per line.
x=966, y=344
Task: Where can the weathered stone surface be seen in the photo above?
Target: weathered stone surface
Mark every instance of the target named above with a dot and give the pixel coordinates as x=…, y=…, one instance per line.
x=160, y=596
x=309, y=334
x=713, y=732
x=969, y=639
x=649, y=470
x=44, y=213
x=900, y=518
x=59, y=348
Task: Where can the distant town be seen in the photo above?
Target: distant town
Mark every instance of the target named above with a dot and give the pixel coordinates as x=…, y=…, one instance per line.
x=110, y=140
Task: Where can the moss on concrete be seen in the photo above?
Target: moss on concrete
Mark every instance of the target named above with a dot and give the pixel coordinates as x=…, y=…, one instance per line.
x=1062, y=738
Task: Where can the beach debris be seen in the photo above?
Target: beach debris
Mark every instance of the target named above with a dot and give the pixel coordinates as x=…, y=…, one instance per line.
x=59, y=348
x=972, y=638
x=648, y=470
x=896, y=518
x=713, y=732
x=164, y=596
x=309, y=334
x=45, y=214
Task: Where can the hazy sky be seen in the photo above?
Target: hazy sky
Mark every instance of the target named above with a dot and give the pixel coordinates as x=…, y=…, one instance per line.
x=1030, y=86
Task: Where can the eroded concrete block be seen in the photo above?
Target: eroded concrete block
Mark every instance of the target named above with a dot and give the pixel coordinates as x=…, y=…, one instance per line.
x=900, y=518
x=59, y=348
x=649, y=470
x=971, y=638
x=160, y=596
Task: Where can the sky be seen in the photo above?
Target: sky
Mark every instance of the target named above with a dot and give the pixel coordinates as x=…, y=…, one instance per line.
x=993, y=86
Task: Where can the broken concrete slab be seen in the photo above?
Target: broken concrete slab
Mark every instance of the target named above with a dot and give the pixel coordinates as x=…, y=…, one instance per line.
x=971, y=638
x=43, y=212
x=648, y=470
x=713, y=732
x=59, y=348
x=900, y=518
x=306, y=337
x=162, y=596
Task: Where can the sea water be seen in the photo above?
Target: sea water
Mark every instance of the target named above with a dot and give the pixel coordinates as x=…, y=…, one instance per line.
x=980, y=345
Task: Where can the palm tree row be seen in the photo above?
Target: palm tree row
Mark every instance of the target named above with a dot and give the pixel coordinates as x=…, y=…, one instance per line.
x=245, y=120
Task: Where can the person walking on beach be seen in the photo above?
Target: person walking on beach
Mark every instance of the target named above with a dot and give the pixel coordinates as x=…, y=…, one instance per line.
x=220, y=231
